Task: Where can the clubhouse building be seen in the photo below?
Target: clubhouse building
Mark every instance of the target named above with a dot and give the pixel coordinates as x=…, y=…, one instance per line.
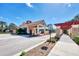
x=35, y=28
x=72, y=27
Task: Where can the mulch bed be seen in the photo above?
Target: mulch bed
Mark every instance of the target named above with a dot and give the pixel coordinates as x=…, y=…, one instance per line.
x=41, y=50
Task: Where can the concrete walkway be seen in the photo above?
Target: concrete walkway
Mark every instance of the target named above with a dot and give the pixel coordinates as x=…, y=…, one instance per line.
x=65, y=47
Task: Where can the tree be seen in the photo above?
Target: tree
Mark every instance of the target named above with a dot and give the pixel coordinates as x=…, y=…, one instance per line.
x=3, y=26
x=75, y=18
x=50, y=26
x=12, y=26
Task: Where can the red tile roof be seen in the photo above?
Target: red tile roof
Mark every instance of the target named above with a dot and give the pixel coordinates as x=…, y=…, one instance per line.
x=76, y=22
x=67, y=25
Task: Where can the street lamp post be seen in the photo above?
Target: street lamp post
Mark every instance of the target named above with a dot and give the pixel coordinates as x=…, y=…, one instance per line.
x=50, y=30
x=50, y=35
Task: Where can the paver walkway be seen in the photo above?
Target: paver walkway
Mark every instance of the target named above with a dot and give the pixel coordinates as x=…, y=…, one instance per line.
x=65, y=47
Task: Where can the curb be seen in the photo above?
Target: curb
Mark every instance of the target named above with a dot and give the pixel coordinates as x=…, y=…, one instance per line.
x=26, y=50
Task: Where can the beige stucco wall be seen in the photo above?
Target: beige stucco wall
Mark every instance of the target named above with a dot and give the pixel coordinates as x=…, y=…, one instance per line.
x=44, y=27
x=58, y=31
x=74, y=31
x=39, y=26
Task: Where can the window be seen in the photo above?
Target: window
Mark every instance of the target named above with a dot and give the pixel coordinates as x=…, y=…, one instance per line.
x=41, y=30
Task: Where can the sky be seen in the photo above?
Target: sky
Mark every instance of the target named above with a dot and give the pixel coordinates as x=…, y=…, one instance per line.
x=52, y=13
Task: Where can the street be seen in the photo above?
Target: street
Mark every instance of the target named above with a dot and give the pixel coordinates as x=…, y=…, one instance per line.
x=12, y=44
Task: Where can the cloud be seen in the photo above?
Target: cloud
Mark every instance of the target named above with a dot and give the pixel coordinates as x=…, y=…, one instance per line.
x=69, y=5
x=18, y=17
x=3, y=18
x=29, y=5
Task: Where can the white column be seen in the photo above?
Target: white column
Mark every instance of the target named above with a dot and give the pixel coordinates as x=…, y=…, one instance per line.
x=27, y=30
x=37, y=29
x=44, y=29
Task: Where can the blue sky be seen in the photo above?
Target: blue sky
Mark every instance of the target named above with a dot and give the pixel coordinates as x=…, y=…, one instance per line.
x=51, y=13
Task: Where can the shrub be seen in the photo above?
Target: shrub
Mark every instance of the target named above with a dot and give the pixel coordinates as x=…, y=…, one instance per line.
x=65, y=32
x=23, y=53
x=76, y=39
x=21, y=31
x=57, y=38
x=48, y=40
x=51, y=41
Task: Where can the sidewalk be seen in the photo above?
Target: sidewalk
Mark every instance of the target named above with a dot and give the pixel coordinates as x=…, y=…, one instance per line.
x=65, y=47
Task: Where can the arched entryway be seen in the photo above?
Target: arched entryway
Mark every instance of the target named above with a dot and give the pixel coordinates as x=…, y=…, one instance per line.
x=65, y=31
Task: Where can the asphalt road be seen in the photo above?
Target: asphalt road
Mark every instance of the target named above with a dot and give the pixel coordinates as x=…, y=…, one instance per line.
x=10, y=45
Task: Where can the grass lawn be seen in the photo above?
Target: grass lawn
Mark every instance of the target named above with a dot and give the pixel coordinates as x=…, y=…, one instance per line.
x=76, y=39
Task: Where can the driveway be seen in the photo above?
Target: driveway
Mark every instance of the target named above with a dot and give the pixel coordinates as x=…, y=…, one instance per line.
x=65, y=47
x=10, y=45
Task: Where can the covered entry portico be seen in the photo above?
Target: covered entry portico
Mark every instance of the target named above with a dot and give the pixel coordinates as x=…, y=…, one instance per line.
x=63, y=28
x=72, y=27
x=34, y=29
